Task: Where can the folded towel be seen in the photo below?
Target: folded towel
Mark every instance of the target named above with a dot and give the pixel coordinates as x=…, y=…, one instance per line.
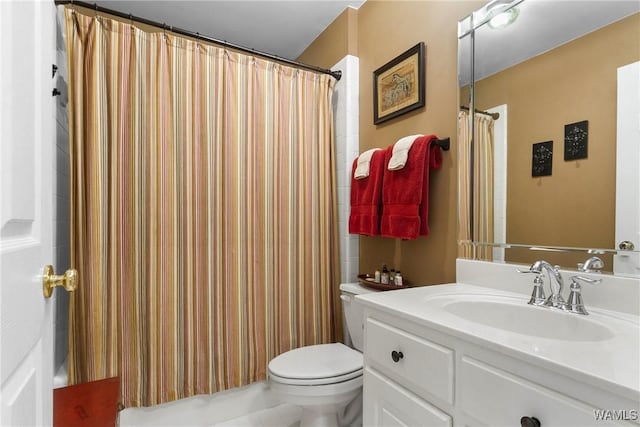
x=401, y=152
x=366, y=197
x=405, y=193
x=433, y=160
x=364, y=160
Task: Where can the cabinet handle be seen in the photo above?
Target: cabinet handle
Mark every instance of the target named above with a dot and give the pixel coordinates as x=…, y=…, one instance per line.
x=529, y=422
x=396, y=356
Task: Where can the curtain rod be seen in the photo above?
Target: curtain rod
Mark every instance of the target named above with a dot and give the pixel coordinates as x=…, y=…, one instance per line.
x=336, y=74
x=494, y=116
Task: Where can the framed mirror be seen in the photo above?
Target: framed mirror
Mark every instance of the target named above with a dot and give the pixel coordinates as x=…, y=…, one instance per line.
x=551, y=88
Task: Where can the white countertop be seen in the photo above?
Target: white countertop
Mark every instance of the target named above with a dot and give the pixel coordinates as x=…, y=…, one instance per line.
x=612, y=364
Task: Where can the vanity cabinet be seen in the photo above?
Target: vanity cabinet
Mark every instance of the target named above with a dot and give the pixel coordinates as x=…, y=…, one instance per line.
x=416, y=375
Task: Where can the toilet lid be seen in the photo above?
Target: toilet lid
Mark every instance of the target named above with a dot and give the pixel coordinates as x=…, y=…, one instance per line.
x=317, y=362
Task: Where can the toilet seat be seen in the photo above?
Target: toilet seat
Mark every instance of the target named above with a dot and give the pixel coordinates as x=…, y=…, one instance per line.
x=321, y=364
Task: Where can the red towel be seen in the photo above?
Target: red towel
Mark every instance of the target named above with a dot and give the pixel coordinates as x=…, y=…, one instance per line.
x=405, y=193
x=366, y=197
x=434, y=161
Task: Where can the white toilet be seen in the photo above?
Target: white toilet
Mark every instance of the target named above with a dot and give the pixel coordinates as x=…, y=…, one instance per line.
x=324, y=379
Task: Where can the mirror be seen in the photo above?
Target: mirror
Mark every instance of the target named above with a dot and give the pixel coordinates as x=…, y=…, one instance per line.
x=552, y=77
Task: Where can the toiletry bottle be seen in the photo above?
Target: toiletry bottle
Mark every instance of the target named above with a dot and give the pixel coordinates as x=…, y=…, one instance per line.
x=384, y=276
x=376, y=276
x=392, y=276
x=398, y=280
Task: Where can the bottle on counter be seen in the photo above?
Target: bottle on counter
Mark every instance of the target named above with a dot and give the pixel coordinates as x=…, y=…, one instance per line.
x=398, y=278
x=392, y=276
x=376, y=276
x=384, y=276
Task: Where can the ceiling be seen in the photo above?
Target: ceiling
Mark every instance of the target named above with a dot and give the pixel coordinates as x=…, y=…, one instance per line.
x=541, y=26
x=283, y=28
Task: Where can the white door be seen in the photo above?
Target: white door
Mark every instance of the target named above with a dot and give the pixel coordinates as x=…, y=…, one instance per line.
x=27, y=139
x=627, y=263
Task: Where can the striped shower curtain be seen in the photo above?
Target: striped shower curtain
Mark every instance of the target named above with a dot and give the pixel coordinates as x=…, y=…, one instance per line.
x=476, y=244
x=203, y=211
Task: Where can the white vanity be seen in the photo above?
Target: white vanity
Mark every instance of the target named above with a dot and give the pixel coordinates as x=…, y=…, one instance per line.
x=475, y=353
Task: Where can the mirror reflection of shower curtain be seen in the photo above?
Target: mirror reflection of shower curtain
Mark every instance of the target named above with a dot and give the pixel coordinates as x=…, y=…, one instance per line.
x=203, y=214
x=474, y=232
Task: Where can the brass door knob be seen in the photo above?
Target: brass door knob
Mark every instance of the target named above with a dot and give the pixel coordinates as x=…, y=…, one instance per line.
x=69, y=280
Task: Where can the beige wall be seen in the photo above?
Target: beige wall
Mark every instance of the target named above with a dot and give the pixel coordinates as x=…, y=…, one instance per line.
x=575, y=206
x=337, y=41
x=385, y=29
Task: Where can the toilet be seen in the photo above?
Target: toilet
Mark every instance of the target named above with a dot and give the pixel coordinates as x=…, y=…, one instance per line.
x=325, y=379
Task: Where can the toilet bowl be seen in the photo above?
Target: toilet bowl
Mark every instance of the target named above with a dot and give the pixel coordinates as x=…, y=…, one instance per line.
x=325, y=379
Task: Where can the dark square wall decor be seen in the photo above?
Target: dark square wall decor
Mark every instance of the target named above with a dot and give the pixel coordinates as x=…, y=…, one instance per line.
x=542, y=159
x=576, y=137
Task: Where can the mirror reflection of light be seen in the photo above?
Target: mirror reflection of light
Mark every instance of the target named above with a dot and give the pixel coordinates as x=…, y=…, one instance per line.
x=504, y=19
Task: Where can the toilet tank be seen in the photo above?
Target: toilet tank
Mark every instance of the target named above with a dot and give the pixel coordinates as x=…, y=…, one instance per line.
x=354, y=312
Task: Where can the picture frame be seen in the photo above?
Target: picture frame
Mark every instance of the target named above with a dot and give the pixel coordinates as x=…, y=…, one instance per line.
x=399, y=85
x=576, y=140
x=542, y=159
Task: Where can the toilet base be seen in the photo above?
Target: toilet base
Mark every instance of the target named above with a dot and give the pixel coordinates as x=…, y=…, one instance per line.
x=312, y=418
x=341, y=415
x=331, y=405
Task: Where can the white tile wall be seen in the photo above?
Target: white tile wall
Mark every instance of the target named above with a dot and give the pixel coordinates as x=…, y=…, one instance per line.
x=61, y=249
x=345, y=100
x=500, y=181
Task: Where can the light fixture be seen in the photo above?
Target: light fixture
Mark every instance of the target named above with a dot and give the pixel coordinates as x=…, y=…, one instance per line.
x=502, y=18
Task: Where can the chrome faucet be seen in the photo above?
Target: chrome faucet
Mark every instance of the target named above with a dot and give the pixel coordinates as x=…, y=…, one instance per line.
x=556, y=283
x=575, y=304
x=592, y=265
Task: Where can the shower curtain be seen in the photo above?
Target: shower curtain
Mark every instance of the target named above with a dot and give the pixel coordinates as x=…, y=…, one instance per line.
x=470, y=244
x=203, y=211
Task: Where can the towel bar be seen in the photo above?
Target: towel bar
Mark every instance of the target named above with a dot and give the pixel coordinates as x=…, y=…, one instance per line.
x=442, y=143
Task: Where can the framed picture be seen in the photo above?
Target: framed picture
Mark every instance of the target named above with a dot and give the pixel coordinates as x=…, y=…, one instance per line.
x=398, y=86
x=542, y=159
x=576, y=139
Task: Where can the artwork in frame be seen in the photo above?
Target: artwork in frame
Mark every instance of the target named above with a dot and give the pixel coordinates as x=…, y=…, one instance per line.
x=398, y=86
x=542, y=159
x=576, y=138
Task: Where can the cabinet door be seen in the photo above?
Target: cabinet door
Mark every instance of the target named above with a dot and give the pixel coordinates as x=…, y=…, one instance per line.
x=498, y=398
x=387, y=404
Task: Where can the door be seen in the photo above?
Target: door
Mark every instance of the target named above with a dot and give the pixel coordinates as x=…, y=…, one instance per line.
x=27, y=138
x=626, y=262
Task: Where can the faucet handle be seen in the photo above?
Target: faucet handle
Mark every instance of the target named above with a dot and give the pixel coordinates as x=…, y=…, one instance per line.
x=537, y=295
x=575, y=279
x=575, y=303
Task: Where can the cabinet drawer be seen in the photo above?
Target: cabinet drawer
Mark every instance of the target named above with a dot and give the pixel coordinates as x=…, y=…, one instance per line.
x=387, y=404
x=498, y=398
x=425, y=367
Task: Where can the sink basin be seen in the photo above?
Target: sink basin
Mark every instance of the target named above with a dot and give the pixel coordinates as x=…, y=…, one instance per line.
x=525, y=319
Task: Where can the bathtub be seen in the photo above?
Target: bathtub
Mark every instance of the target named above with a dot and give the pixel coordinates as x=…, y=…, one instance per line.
x=61, y=377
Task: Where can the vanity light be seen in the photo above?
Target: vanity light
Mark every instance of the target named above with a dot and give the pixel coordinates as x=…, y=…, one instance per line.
x=504, y=19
